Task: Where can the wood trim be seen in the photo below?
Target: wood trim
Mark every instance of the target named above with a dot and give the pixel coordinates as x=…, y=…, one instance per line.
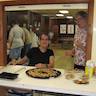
x=3, y=48
x=3, y=91
x=90, y=29
x=22, y=2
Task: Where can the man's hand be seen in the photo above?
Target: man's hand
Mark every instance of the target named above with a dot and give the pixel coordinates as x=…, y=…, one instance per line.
x=13, y=62
x=69, y=52
x=40, y=65
x=78, y=43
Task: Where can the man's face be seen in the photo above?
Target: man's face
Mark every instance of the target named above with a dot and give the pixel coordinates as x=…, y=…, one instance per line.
x=44, y=41
x=81, y=22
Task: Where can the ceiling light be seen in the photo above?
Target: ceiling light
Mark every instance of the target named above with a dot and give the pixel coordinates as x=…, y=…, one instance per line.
x=64, y=11
x=59, y=15
x=69, y=17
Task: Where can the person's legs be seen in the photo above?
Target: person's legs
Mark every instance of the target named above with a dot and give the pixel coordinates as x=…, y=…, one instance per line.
x=15, y=53
x=18, y=52
x=12, y=54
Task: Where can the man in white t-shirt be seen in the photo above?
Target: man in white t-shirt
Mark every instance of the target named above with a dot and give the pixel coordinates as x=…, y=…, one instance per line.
x=16, y=41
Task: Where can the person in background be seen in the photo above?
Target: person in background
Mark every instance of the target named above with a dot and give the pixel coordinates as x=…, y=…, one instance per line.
x=34, y=37
x=27, y=43
x=16, y=41
x=51, y=35
x=8, y=30
x=40, y=57
x=80, y=39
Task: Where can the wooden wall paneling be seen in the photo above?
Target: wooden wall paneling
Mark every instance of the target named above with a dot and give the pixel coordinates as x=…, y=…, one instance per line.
x=3, y=91
x=3, y=44
x=90, y=29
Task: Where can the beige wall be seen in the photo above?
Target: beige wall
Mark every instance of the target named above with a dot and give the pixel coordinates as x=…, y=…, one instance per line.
x=94, y=34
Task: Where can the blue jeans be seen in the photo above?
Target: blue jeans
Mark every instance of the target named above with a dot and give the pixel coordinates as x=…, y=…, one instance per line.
x=15, y=53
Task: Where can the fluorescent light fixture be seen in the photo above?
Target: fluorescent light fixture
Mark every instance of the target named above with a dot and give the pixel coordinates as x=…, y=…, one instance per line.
x=64, y=11
x=69, y=17
x=59, y=15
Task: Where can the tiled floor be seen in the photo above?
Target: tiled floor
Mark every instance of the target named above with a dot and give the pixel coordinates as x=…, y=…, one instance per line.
x=61, y=60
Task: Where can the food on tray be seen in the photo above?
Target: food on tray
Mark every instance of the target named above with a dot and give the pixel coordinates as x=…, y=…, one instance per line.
x=81, y=81
x=43, y=73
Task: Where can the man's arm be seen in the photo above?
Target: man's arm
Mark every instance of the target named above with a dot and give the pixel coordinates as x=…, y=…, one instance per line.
x=23, y=60
x=69, y=52
x=20, y=61
x=51, y=62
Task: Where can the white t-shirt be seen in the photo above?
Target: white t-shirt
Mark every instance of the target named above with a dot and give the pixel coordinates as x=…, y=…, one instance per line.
x=34, y=39
x=16, y=36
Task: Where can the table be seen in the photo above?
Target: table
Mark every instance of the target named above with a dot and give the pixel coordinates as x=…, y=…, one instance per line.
x=58, y=85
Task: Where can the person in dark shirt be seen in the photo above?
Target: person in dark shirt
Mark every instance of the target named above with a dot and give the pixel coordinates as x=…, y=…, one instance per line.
x=37, y=56
x=40, y=57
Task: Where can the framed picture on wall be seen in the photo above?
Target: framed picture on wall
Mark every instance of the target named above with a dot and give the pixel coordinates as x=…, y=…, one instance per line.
x=70, y=29
x=62, y=28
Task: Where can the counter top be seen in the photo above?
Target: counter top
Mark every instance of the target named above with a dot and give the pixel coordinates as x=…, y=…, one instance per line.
x=58, y=85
